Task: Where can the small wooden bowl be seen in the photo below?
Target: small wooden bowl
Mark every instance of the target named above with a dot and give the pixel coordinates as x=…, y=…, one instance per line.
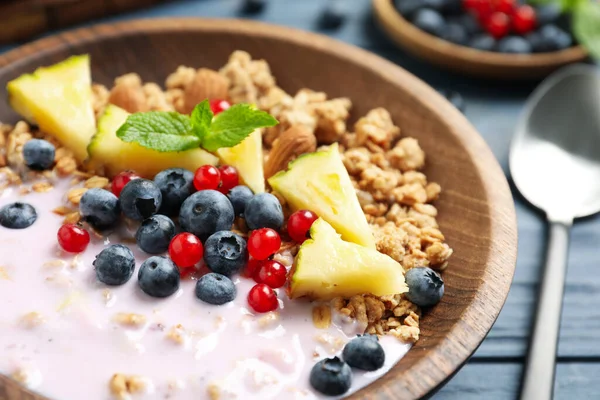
x=465, y=60
x=476, y=211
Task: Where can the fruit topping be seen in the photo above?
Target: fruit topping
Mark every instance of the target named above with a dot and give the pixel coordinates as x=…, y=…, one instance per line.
x=251, y=268
x=186, y=250
x=498, y=25
x=225, y=253
x=120, y=180
x=158, y=277
x=17, y=215
x=425, y=286
x=239, y=196
x=524, y=20
x=205, y=213
x=155, y=233
x=328, y=267
x=140, y=199
x=264, y=211
x=59, y=100
x=247, y=158
x=176, y=185
x=73, y=238
x=299, y=224
x=263, y=243
x=207, y=177
x=218, y=106
x=262, y=298
x=514, y=45
x=483, y=42
x=364, y=352
x=100, y=208
x=39, y=154
x=271, y=273
x=319, y=182
x=331, y=376
x=114, y=265
x=114, y=155
x=229, y=178
x=216, y=289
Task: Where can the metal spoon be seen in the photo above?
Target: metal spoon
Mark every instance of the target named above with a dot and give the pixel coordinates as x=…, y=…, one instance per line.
x=555, y=164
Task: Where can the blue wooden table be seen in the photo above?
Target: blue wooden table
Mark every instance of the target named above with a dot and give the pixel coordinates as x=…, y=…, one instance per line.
x=494, y=371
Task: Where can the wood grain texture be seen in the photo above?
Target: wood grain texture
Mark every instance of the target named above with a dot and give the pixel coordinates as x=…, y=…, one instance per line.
x=467, y=60
x=476, y=209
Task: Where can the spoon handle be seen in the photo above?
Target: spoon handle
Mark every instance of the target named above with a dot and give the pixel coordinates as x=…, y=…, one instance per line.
x=538, y=381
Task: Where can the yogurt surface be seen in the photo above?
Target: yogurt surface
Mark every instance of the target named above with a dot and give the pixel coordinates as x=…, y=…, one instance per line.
x=65, y=335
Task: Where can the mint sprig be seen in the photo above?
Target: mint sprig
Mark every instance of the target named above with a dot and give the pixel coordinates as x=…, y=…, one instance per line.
x=170, y=131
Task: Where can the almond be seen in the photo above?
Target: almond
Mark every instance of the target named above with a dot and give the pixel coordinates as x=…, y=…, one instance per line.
x=289, y=145
x=207, y=84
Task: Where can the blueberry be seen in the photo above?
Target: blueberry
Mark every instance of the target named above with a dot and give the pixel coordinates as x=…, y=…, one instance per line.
x=514, y=45
x=333, y=16
x=253, y=6
x=455, y=98
x=17, y=216
x=176, y=185
x=239, y=197
x=455, y=33
x=114, y=265
x=155, y=233
x=408, y=7
x=468, y=22
x=331, y=376
x=38, y=154
x=483, y=42
x=100, y=208
x=547, y=14
x=425, y=286
x=437, y=5
x=537, y=42
x=140, y=199
x=264, y=211
x=225, y=253
x=364, y=352
x=452, y=6
x=555, y=38
x=158, y=277
x=205, y=213
x=215, y=289
x=429, y=21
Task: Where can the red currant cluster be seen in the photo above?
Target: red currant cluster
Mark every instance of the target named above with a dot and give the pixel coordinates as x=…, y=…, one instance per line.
x=501, y=17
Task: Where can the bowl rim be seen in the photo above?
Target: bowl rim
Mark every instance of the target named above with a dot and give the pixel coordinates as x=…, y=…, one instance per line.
x=407, y=35
x=463, y=338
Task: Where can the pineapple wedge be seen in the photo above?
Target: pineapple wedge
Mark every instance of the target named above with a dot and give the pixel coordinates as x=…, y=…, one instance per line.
x=319, y=182
x=247, y=157
x=107, y=151
x=59, y=100
x=328, y=267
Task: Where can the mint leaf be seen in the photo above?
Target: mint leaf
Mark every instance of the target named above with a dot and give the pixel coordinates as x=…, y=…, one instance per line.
x=159, y=130
x=586, y=26
x=233, y=125
x=201, y=118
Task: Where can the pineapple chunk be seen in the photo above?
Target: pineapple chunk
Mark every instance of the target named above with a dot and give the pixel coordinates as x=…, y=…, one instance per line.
x=319, y=182
x=59, y=100
x=111, y=153
x=328, y=267
x=247, y=157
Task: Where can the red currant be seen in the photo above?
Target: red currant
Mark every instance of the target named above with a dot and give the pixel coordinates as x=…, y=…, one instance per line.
x=470, y=5
x=121, y=180
x=207, y=177
x=498, y=25
x=251, y=268
x=299, y=224
x=263, y=243
x=524, y=19
x=229, y=178
x=262, y=298
x=73, y=238
x=271, y=273
x=505, y=6
x=217, y=106
x=186, y=250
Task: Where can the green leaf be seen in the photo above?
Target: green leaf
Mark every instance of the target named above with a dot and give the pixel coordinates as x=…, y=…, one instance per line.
x=201, y=118
x=233, y=125
x=586, y=26
x=159, y=130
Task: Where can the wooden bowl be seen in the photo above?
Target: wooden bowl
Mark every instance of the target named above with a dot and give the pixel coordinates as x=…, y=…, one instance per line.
x=466, y=60
x=476, y=211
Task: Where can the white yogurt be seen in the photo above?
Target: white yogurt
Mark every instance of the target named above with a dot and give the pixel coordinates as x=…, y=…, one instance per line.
x=72, y=347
